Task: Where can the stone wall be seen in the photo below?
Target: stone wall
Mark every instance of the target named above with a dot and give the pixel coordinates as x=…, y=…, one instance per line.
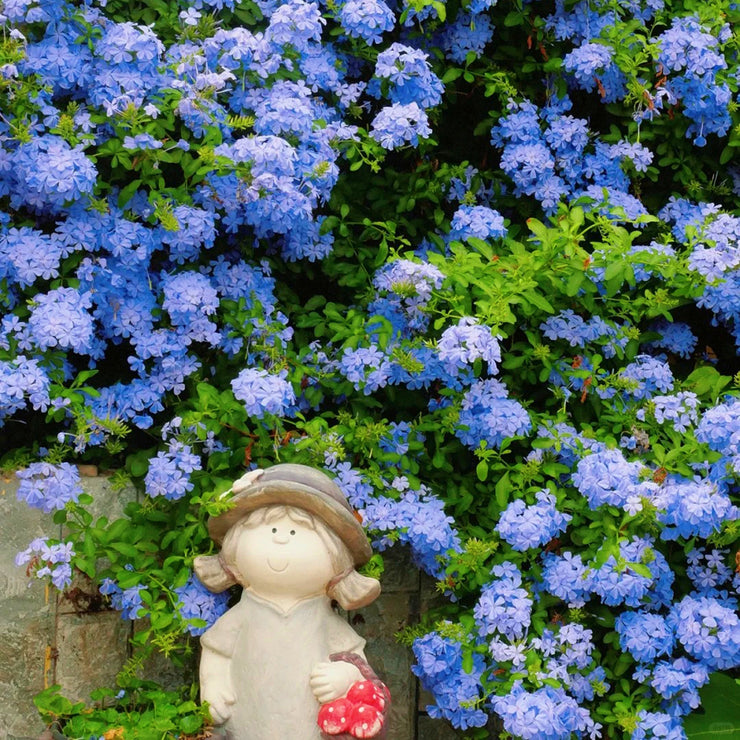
x=46, y=638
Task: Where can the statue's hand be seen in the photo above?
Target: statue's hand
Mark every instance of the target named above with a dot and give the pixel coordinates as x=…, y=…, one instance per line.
x=219, y=704
x=329, y=681
x=246, y=480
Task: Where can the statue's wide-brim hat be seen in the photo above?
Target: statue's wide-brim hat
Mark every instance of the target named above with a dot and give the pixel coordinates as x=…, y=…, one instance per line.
x=290, y=484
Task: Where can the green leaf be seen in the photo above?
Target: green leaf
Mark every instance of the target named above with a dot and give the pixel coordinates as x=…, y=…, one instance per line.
x=481, y=470
x=719, y=715
x=451, y=74
x=125, y=549
x=703, y=380
x=190, y=724
x=573, y=285
x=539, y=301
x=503, y=486
x=641, y=570
x=614, y=268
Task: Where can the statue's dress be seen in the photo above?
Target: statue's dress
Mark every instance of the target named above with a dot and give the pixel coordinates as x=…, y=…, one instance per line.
x=272, y=655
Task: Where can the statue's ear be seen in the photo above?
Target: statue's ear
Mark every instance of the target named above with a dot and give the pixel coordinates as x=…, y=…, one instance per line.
x=213, y=574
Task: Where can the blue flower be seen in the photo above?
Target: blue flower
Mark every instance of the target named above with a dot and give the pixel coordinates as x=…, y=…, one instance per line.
x=419, y=520
x=28, y=254
x=461, y=345
x=128, y=601
x=592, y=65
x=49, y=173
x=616, y=582
x=44, y=559
x=524, y=527
x=366, y=19
x=693, y=507
x=605, y=477
x=708, y=571
x=169, y=472
x=709, y=630
x=400, y=124
x=675, y=337
x=410, y=76
x=470, y=32
x=478, y=221
x=486, y=414
x=456, y=691
x=644, y=635
x=649, y=375
x=658, y=725
x=566, y=577
x=22, y=380
x=504, y=607
x=545, y=713
x=264, y=393
x=60, y=318
x=679, y=409
x=49, y=487
x=195, y=601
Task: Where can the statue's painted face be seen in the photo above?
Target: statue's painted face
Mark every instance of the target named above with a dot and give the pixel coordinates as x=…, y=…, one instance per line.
x=284, y=556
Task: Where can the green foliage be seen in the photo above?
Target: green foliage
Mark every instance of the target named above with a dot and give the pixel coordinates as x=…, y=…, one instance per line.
x=140, y=711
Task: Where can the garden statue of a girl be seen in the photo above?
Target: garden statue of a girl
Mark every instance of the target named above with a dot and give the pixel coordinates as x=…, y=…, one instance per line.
x=282, y=664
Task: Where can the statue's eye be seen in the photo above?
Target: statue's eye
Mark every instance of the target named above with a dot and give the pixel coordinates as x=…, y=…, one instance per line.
x=274, y=530
x=292, y=531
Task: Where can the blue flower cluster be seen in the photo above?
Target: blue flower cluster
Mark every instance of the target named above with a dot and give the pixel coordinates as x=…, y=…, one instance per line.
x=22, y=380
x=487, y=415
x=605, y=477
x=525, y=526
x=478, y=221
x=43, y=559
x=504, y=606
x=404, y=289
x=169, y=472
x=418, y=520
x=708, y=571
x=547, y=714
x=439, y=665
x=409, y=76
x=49, y=487
x=592, y=66
x=708, y=629
x=695, y=507
x=125, y=600
x=567, y=577
x=687, y=47
x=264, y=393
x=658, y=725
x=645, y=635
x=468, y=341
x=638, y=575
x=548, y=154
x=198, y=606
x=679, y=409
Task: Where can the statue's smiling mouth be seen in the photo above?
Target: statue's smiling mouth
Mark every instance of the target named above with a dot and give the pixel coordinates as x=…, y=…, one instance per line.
x=278, y=565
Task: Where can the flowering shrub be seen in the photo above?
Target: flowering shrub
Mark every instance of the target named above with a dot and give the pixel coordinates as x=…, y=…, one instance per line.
x=479, y=261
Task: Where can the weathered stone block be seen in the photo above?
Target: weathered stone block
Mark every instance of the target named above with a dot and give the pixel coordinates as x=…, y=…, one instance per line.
x=107, y=501
x=435, y=729
x=91, y=649
x=25, y=669
x=26, y=617
x=400, y=573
